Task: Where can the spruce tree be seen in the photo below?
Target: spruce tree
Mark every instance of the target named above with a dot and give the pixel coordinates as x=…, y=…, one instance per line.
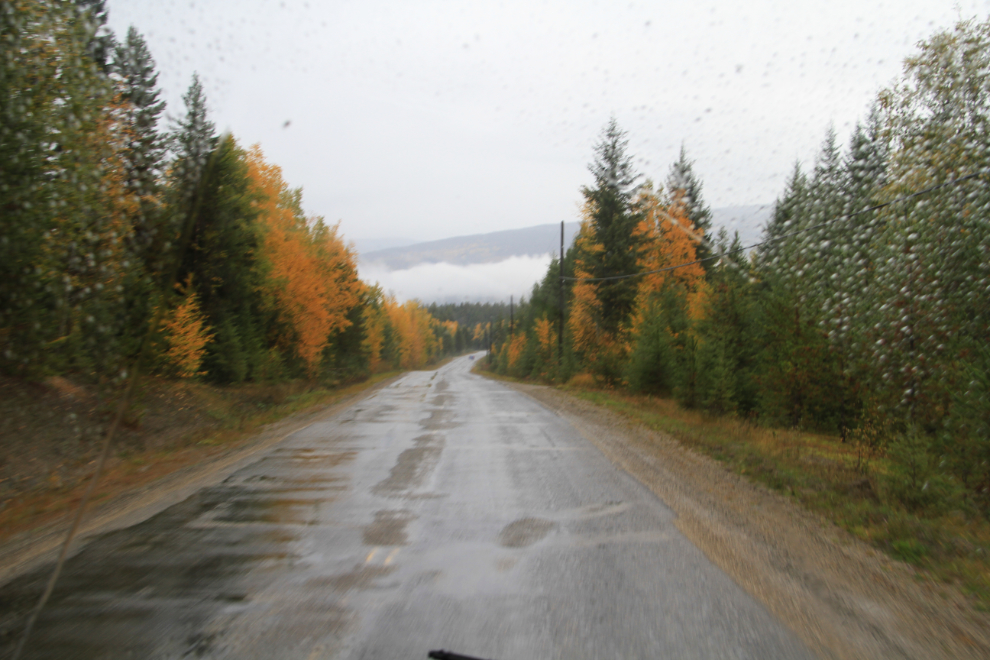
x=683, y=182
x=139, y=80
x=143, y=156
x=193, y=139
x=613, y=223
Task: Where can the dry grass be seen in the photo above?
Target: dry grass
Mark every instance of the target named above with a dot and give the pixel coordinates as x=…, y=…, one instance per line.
x=828, y=477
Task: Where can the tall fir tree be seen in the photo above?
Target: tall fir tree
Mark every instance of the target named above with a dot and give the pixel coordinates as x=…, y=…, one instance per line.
x=139, y=88
x=192, y=141
x=613, y=223
x=144, y=154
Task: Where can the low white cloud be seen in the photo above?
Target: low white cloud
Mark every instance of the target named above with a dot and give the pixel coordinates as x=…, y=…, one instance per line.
x=445, y=282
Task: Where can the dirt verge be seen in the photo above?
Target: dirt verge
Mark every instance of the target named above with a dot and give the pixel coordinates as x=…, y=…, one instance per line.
x=841, y=597
x=122, y=507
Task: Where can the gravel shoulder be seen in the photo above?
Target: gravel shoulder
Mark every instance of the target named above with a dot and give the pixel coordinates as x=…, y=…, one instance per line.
x=28, y=550
x=841, y=597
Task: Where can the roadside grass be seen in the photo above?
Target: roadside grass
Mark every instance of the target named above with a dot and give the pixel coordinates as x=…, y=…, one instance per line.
x=170, y=425
x=826, y=476
x=829, y=478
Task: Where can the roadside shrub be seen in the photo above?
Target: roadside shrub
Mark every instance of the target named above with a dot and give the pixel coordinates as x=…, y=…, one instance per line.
x=912, y=478
x=871, y=438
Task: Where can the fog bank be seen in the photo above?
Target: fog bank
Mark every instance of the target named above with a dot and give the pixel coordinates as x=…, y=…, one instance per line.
x=443, y=282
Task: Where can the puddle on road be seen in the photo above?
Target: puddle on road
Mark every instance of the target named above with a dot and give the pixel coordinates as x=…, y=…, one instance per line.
x=412, y=466
x=172, y=574
x=524, y=532
x=278, y=511
x=360, y=578
x=389, y=528
x=310, y=458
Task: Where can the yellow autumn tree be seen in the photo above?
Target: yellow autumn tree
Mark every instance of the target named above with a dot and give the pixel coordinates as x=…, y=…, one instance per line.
x=597, y=348
x=515, y=348
x=666, y=237
x=375, y=317
x=186, y=334
x=312, y=276
x=667, y=302
x=546, y=337
x=416, y=333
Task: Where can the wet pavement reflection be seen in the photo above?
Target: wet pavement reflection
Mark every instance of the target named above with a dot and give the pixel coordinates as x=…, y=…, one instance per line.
x=444, y=511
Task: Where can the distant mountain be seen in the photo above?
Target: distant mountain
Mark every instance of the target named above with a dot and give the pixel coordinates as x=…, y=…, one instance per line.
x=533, y=241
x=476, y=249
x=747, y=220
x=365, y=245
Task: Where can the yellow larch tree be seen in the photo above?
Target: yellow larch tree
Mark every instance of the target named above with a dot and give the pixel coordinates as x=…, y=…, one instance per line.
x=312, y=278
x=186, y=334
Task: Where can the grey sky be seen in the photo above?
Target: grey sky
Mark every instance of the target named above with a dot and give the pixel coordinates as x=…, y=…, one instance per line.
x=433, y=119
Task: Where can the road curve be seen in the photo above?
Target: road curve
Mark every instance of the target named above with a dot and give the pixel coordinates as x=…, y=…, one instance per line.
x=444, y=511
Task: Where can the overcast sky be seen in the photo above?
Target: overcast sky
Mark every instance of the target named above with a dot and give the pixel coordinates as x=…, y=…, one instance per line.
x=425, y=120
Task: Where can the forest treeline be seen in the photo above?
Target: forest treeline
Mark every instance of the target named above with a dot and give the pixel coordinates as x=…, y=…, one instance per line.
x=122, y=237
x=863, y=313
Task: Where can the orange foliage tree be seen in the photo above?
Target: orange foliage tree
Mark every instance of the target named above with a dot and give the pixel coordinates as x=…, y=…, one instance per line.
x=376, y=325
x=547, y=338
x=312, y=278
x=415, y=331
x=666, y=237
x=595, y=346
x=515, y=348
x=186, y=334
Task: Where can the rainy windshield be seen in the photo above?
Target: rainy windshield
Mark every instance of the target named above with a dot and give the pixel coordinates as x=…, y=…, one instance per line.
x=763, y=230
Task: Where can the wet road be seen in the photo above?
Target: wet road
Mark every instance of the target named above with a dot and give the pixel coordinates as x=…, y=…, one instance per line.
x=444, y=511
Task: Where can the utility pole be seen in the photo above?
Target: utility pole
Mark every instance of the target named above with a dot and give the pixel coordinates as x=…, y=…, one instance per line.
x=560, y=326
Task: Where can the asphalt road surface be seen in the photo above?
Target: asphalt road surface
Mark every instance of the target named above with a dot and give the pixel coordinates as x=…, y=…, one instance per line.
x=445, y=511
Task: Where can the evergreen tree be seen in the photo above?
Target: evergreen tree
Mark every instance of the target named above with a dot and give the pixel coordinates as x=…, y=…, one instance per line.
x=100, y=44
x=772, y=255
x=863, y=178
x=138, y=79
x=56, y=241
x=684, y=185
x=824, y=221
x=192, y=141
x=142, y=163
x=728, y=351
x=221, y=261
x=613, y=221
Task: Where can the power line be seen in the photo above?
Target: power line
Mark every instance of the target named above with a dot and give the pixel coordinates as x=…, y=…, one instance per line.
x=952, y=182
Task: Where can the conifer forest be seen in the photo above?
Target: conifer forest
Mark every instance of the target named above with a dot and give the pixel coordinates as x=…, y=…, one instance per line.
x=130, y=242
x=862, y=312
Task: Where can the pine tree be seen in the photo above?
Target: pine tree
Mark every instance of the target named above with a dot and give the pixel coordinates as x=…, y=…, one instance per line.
x=684, y=186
